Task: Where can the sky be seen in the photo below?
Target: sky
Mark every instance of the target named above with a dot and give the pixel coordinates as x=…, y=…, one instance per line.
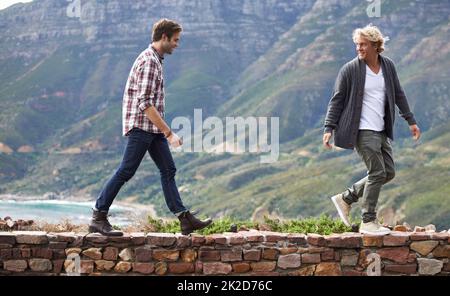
x=6, y=3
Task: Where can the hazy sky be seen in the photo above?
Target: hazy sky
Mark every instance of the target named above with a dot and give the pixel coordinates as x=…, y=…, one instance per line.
x=6, y=3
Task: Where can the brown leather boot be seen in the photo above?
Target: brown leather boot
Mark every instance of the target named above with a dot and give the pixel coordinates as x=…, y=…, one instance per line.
x=100, y=223
x=189, y=223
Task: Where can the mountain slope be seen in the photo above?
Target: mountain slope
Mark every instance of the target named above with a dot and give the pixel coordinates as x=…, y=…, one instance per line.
x=62, y=79
x=294, y=79
x=59, y=71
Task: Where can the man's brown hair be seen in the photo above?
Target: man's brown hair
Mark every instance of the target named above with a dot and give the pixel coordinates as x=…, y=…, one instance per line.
x=167, y=27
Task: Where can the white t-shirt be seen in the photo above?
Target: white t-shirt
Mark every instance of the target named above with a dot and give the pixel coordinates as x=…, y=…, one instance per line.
x=374, y=101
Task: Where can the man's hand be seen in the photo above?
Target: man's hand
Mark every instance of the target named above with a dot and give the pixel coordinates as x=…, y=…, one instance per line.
x=326, y=141
x=174, y=140
x=415, y=131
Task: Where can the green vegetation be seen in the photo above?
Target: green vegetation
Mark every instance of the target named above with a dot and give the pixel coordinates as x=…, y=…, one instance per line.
x=323, y=225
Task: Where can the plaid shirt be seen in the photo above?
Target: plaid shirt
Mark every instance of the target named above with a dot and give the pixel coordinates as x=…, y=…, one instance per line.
x=145, y=88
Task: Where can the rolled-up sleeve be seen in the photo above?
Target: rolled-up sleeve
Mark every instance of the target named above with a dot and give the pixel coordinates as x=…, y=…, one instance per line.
x=147, y=76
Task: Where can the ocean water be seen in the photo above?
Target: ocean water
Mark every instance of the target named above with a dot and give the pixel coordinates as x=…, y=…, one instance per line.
x=54, y=211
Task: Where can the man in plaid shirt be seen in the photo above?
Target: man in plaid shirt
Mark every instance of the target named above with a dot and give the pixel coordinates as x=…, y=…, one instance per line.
x=146, y=130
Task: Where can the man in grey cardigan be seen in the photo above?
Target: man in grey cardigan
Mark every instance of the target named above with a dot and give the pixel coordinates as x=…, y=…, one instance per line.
x=361, y=115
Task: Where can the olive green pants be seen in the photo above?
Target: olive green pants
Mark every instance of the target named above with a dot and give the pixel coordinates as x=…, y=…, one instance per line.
x=375, y=150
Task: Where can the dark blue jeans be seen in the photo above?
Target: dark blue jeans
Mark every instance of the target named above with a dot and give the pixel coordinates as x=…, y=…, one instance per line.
x=139, y=142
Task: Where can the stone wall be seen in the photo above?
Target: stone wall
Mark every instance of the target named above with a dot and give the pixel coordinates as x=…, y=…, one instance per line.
x=245, y=252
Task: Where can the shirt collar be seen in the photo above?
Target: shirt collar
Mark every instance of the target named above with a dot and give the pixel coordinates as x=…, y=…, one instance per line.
x=161, y=58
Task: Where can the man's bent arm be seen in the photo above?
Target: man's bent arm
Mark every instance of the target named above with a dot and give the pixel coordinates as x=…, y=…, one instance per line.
x=153, y=115
x=146, y=83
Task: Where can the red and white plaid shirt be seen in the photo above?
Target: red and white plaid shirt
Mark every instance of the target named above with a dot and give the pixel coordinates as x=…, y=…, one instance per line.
x=145, y=88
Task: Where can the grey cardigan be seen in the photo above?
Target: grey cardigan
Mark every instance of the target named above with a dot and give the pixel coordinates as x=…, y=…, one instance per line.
x=344, y=109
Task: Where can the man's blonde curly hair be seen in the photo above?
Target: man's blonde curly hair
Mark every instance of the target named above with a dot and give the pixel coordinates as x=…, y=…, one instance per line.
x=373, y=34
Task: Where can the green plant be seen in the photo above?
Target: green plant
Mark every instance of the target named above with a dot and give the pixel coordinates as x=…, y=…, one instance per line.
x=226, y=224
x=322, y=225
x=159, y=225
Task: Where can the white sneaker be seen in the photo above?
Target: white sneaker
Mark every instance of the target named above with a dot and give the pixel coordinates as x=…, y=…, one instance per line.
x=342, y=207
x=373, y=228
